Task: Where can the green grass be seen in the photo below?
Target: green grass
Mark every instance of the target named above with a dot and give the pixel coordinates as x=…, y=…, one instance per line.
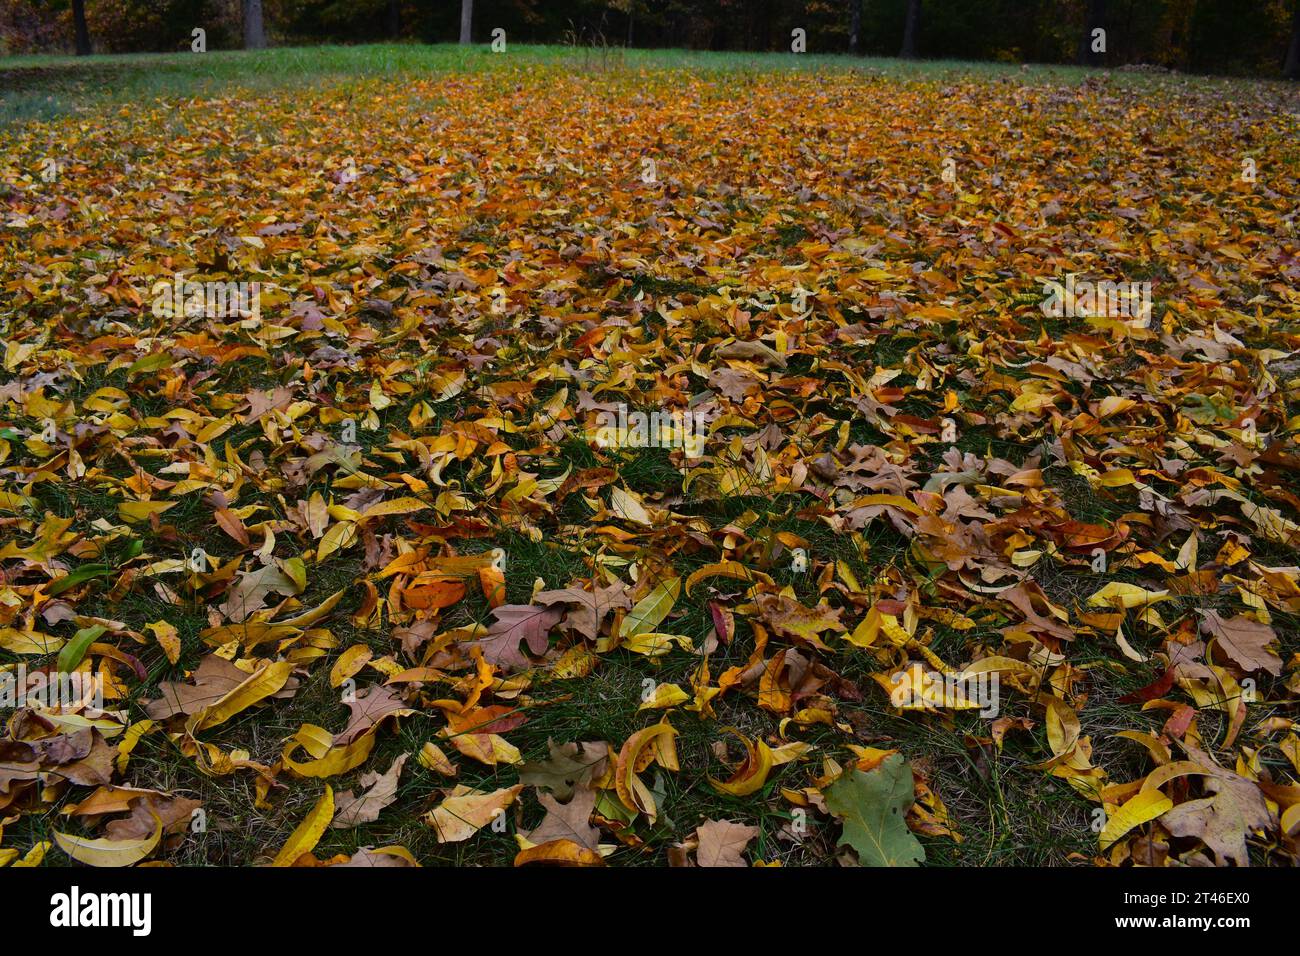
x=44, y=86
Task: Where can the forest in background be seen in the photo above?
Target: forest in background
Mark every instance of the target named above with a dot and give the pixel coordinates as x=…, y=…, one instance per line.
x=1236, y=37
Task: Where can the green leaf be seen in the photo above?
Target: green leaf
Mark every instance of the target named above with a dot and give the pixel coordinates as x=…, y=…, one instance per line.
x=83, y=573
x=150, y=363
x=873, y=807
x=75, y=649
x=652, y=608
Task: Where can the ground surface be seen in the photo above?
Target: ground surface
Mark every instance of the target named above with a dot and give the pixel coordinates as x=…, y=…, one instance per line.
x=464, y=260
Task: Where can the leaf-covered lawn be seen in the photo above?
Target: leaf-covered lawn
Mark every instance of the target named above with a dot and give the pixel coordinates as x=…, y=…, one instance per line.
x=389, y=562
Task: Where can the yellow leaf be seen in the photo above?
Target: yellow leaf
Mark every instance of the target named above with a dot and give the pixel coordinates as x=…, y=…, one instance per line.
x=752, y=773
x=338, y=537
x=308, y=618
x=29, y=642
x=1116, y=593
x=465, y=811
x=726, y=569
x=1145, y=806
x=249, y=635
x=129, y=740
x=1034, y=396
x=1063, y=727
x=12, y=502
x=167, y=639
x=652, y=644
x=135, y=511
x=35, y=855
x=432, y=758
x=1118, y=477
x=865, y=634
x=490, y=749
x=627, y=506
x=349, y=662
x=446, y=386
x=109, y=852
x=267, y=681
x=335, y=760
x=894, y=501
x=308, y=833
x=398, y=506
x=1113, y=405
x=635, y=757
x=664, y=695
x=652, y=608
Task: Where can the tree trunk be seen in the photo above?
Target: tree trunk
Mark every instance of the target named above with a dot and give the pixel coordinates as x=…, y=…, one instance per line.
x=1033, y=35
x=855, y=26
x=254, y=34
x=79, y=26
x=394, y=18
x=1292, y=69
x=466, y=21
x=911, y=28
x=1096, y=18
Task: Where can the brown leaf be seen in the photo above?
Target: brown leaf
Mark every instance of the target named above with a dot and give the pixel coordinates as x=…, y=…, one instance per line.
x=368, y=856
x=586, y=609
x=515, y=623
x=570, y=765
x=465, y=811
x=253, y=588
x=368, y=708
x=722, y=843
x=1244, y=641
x=567, y=821
x=213, y=680
x=175, y=813
x=351, y=811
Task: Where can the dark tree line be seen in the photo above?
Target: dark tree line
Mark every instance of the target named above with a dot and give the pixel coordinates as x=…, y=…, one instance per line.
x=1253, y=37
x=79, y=26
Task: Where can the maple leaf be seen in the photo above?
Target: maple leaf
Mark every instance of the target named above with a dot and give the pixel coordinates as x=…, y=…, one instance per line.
x=381, y=790
x=516, y=623
x=722, y=843
x=1222, y=820
x=1244, y=641
x=368, y=707
x=587, y=609
x=569, y=766
x=253, y=588
x=567, y=821
x=791, y=619
x=214, y=678
x=873, y=807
